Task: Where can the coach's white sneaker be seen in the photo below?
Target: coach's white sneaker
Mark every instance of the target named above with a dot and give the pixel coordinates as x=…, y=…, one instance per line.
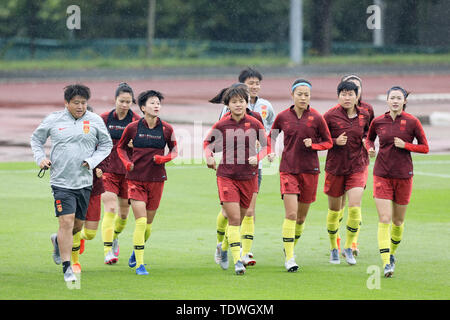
x=291, y=265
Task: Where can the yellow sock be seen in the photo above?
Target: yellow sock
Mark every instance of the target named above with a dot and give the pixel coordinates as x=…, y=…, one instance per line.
x=383, y=242
x=355, y=240
x=396, y=236
x=225, y=245
x=288, y=233
x=119, y=225
x=333, y=227
x=298, y=232
x=353, y=220
x=88, y=234
x=108, y=231
x=234, y=238
x=221, y=226
x=148, y=231
x=76, y=248
x=139, y=240
x=341, y=217
x=247, y=234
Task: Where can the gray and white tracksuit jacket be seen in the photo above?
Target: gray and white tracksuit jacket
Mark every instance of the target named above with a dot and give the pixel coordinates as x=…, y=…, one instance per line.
x=73, y=141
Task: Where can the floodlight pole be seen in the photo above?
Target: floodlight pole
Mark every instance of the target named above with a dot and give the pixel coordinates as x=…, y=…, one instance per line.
x=296, y=31
x=150, y=26
x=378, y=37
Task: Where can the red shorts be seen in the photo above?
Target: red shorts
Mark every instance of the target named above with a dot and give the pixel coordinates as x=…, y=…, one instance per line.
x=240, y=191
x=149, y=192
x=397, y=190
x=94, y=208
x=336, y=186
x=302, y=184
x=116, y=183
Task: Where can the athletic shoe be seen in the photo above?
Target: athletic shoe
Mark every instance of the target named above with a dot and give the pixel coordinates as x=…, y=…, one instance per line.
x=388, y=271
x=247, y=260
x=224, y=259
x=56, y=256
x=338, y=240
x=81, y=246
x=291, y=265
x=348, y=254
x=115, y=247
x=250, y=254
x=217, y=254
x=141, y=270
x=69, y=276
x=132, y=261
x=355, y=249
x=76, y=268
x=334, y=256
x=110, y=258
x=392, y=262
x=239, y=268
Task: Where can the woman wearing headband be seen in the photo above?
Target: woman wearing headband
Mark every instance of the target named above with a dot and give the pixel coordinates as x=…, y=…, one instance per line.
x=305, y=133
x=393, y=170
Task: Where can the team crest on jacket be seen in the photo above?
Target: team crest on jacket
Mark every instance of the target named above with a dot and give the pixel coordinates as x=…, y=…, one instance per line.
x=264, y=111
x=86, y=127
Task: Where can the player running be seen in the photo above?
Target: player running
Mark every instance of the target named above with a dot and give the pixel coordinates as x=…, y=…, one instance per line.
x=146, y=172
x=393, y=170
x=368, y=108
x=346, y=167
x=237, y=174
x=247, y=223
x=115, y=198
x=305, y=133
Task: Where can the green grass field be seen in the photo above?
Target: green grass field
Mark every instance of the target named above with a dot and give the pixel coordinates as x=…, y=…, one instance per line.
x=231, y=60
x=179, y=254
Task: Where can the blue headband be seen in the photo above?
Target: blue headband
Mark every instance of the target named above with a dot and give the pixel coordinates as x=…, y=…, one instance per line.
x=300, y=84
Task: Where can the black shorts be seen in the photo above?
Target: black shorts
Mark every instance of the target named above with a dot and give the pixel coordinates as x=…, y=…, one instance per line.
x=71, y=201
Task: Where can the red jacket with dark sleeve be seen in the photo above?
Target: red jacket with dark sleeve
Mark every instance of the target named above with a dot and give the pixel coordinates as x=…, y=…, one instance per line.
x=393, y=162
x=296, y=157
x=147, y=154
x=237, y=142
x=351, y=157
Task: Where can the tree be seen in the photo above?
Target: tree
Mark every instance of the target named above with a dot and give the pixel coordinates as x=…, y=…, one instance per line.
x=321, y=27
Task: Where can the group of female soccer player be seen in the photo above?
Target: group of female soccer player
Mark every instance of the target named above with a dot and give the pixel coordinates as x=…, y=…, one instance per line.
x=247, y=130
x=348, y=131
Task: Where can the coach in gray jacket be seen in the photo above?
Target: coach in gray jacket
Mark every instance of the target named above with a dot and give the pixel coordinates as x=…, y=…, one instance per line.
x=80, y=141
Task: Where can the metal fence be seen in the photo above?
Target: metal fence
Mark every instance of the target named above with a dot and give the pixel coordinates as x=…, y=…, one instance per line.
x=24, y=48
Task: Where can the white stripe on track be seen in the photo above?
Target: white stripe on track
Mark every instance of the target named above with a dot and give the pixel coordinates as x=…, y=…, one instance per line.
x=439, y=175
